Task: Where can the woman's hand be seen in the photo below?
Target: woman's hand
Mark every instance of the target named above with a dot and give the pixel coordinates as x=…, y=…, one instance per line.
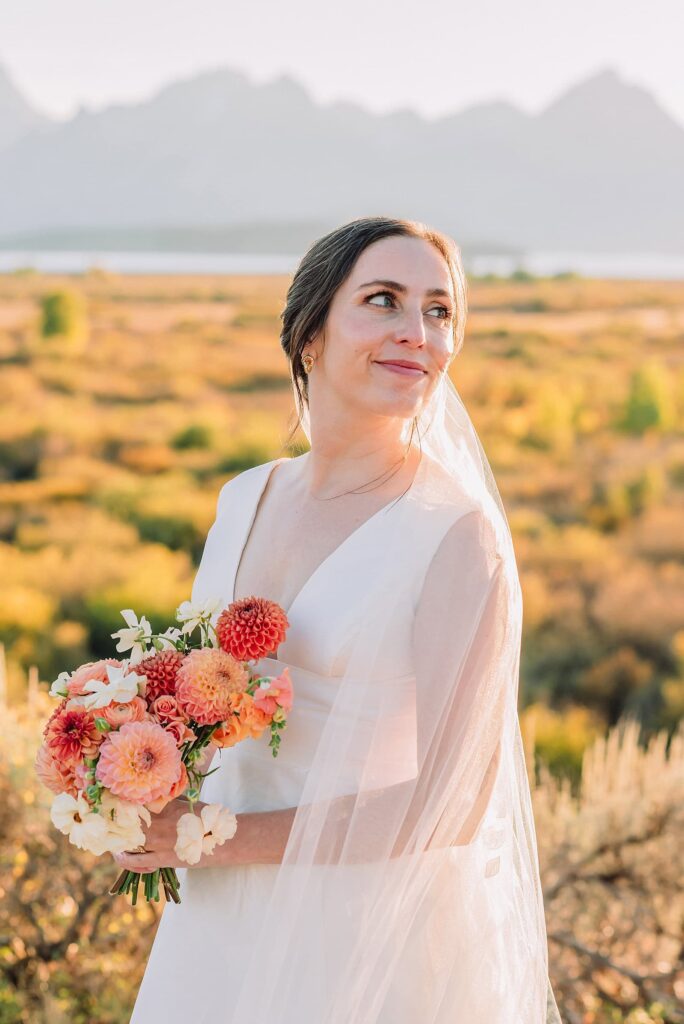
x=160, y=839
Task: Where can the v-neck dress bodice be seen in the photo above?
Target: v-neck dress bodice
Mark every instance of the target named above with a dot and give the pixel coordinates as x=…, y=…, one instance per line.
x=323, y=618
x=324, y=614
x=219, y=917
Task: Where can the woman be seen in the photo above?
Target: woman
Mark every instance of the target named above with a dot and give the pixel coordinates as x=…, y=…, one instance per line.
x=384, y=868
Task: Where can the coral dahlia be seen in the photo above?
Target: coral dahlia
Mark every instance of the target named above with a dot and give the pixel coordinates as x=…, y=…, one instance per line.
x=161, y=671
x=251, y=628
x=209, y=682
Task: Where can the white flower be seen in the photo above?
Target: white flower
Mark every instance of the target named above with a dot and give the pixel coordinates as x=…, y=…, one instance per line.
x=192, y=613
x=122, y=818
x=135, y=638
x=74, y=817
x=59, y=686
x=219, y=821
x=189, y=838
x=200, y=833
x=168, y=638
x=120, y=688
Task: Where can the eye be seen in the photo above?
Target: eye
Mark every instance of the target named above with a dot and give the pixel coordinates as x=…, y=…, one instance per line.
x=445, y=310
x=376, y=294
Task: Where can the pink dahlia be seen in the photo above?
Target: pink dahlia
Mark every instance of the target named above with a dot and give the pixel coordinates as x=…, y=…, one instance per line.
x=161, y=671
x=177, y=789
x=91, y=670
x=139, y=762
x=209, y=681
x=251, y=628
x=71, y=735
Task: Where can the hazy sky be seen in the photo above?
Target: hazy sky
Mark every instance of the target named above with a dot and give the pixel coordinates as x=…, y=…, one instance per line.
x=435, y=56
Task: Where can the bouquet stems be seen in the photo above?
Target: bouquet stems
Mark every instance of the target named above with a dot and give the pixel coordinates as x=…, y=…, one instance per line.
x=128, y=881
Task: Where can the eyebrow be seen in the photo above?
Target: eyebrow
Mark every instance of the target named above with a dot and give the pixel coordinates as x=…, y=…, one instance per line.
x=397, y=287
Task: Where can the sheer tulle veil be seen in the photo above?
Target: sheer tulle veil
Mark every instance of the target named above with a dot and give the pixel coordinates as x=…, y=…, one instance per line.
x=436, y=833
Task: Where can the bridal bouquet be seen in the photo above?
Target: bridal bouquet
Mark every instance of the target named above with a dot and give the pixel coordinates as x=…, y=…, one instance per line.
x=127, y=735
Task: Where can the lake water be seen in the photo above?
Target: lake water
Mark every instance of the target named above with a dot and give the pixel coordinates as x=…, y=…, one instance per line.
x=650, y=266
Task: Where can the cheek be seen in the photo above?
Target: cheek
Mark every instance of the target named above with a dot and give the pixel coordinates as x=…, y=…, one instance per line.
x=354, y=344
x=442, y=349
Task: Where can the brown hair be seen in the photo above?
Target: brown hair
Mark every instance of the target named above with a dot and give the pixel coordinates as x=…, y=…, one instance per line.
x=325, y=266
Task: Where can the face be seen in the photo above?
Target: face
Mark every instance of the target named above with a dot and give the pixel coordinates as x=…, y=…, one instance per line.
x=397, y=304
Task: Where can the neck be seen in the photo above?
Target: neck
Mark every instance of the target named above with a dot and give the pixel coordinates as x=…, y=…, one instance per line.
x=328, y=473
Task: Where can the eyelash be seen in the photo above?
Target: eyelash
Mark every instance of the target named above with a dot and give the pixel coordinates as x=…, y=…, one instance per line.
x=391, y=295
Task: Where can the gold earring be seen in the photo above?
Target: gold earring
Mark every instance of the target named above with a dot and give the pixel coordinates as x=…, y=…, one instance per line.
x=307, y=362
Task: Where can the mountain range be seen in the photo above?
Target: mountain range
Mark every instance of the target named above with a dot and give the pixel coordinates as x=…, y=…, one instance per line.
x=217, y=161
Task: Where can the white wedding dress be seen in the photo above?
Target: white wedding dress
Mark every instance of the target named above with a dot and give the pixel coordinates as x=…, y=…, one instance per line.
x=202, y=945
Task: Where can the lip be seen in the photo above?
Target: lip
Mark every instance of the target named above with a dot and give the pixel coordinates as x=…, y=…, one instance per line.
x=404, y=367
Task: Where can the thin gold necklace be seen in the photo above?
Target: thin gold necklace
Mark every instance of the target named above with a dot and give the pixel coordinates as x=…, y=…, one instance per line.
x=357, y=490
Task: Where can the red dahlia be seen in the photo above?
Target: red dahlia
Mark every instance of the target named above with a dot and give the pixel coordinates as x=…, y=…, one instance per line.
x=162, y=672
x=72, y=735
x=251, y=628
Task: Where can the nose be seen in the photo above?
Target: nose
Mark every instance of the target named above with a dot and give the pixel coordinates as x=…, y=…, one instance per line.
x=411, y=328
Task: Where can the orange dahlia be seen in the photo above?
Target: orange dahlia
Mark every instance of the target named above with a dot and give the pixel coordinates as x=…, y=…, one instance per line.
x=139, y=762
x=251, y=628
x=161, y=671
x=209, y=681
x=71, y=734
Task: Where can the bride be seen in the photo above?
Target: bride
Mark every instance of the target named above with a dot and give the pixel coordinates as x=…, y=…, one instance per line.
x=384, y=868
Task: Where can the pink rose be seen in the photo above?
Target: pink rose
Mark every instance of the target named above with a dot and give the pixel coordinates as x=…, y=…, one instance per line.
x=180, y=731
x=166, y=708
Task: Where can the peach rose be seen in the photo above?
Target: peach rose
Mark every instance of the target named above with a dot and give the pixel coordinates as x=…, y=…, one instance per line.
x=59, y=777
x=249, y=723
x=91, y=670
x=117, y=715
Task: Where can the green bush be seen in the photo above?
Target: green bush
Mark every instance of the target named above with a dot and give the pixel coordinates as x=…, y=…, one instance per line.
x=195, y=435
x=650, y=403
x=64, y=316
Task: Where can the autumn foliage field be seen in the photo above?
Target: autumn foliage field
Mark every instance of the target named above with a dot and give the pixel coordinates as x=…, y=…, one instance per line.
x=126, y=402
